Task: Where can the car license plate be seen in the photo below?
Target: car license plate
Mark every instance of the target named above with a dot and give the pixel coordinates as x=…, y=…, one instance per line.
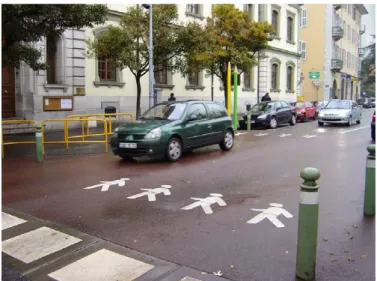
x=252, y=121
x=127, y=145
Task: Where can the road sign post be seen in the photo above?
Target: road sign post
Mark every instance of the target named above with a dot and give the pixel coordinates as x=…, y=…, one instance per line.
x=307, y=225
x=235, y=103
x=370, y=182
x=38, y=143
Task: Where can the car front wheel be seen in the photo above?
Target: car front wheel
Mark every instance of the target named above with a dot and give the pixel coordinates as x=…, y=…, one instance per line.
x=293, y=120
x=228, y=141
x=349, y=124
x=174, y=149
x=320, y=124
x=273, y=123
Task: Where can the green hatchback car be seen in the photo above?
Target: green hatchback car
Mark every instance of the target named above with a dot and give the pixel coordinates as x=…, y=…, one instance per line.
x=168, y=129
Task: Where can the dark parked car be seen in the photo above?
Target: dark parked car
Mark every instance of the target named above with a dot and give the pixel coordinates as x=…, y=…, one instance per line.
x=373, y=127
x=169, y=128
x=271, y=114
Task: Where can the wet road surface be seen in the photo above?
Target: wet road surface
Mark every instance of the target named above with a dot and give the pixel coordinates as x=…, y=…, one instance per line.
x=261, y=169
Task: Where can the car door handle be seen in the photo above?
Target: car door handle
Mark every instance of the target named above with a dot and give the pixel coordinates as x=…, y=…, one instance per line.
x=209, y=126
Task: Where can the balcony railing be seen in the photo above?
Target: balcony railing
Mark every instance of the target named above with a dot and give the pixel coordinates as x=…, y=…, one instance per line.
x=361, y=52
x=336, y=64
x=337, y=33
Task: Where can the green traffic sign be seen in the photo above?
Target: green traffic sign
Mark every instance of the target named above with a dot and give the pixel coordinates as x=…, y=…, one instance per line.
x=314, y=75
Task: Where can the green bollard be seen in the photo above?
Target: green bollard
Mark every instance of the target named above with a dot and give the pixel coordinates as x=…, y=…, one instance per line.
x=38, y=142
x=370, y=182
x=307, y=225
x=248, y=121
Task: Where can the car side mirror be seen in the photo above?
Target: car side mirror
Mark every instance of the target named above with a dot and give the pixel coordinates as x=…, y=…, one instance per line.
x=278, y=108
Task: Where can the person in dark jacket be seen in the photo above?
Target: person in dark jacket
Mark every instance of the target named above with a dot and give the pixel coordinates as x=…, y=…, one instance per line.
x=266, y=97
x=172, y=97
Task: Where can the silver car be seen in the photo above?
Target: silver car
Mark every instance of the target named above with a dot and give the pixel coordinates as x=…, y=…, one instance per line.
x=340, y=112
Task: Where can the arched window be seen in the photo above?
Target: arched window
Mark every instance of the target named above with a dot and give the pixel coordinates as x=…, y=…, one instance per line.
x=274, y=76
x=51, y=58
x=106, y=70
x=290, y=29
x=275, y=21
x=290, y=78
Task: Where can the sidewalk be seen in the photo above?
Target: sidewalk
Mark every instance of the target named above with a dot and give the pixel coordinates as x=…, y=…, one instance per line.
x=29, y=150
x=38, y=250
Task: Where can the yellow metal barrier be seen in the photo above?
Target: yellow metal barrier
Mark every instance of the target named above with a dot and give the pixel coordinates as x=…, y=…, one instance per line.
x=87, y=134
x=66, y=133
x=15, y=142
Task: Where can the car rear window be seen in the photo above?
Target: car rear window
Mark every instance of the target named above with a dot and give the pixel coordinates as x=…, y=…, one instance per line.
x=216, y=110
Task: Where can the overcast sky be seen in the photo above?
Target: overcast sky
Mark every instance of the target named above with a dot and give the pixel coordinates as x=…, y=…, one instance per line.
x=370, y=24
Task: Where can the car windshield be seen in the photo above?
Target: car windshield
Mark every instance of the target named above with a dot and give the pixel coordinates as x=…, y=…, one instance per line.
x=338, y=104
x=263, y=106
x=172, y=111
x=300, y=105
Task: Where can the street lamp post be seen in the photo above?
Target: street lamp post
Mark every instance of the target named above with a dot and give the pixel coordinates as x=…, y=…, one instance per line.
x=151, y=76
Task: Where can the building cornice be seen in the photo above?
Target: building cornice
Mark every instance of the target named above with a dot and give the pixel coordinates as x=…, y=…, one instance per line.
x=363, y=11
x=114, y=15
x=279, y=50
x=296, y=6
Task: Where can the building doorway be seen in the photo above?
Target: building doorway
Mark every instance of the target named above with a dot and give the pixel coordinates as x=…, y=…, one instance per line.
x=8, y=93
x=352, y=90
x=343, y=90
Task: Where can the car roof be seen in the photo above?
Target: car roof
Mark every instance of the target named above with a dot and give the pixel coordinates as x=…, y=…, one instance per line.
x=189, y=101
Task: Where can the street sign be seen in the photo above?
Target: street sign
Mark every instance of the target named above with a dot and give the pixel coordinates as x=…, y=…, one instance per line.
x=314, y=75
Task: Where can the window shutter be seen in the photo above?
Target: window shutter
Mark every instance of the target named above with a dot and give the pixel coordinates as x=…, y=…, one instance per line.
x=304, y=18
x=303, y=49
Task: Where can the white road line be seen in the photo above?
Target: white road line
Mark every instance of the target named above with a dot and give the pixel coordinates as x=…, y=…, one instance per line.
x=36, y=244
x=353, y=130
x=102, y=265
x=8, y=221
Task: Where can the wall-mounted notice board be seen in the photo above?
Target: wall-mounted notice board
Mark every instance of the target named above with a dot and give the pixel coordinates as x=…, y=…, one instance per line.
x=57, y=103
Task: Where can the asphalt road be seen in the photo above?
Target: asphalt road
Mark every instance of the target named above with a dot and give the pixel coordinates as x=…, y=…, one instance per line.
x=261, y=169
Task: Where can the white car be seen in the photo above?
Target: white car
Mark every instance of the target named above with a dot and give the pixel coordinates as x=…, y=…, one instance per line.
x=340, y=112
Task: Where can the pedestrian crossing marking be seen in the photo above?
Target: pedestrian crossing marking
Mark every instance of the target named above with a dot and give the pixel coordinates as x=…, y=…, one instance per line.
x=102, y=265
x=36, y=244
x=8, y=221
x=189, y=279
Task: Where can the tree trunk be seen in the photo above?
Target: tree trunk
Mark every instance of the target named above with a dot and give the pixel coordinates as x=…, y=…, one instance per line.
x=138, y=86
x=225, y=86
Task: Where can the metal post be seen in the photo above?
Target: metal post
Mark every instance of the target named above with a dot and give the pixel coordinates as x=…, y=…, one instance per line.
x=307, y=225
x=151, y=73
x=38, y=142
x=248, y=121
x=370, y=182
x=258, y=80
x=212, y=86
x=235, y=102
x=228, y=90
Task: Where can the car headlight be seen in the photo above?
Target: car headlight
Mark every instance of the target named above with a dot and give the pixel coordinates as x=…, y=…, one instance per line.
x=320, y=114
x=115, y=133
x=154, y=134
x=345, y=115
x=263, y=116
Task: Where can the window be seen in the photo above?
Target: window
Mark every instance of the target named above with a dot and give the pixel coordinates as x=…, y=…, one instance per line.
x=106, y=70
x=193, y=79
x=274, y=21
x=353, y=36
x=249, y=79
x=349, y=32
x=303, y=49
x=290, y=29
x=193, y=9
x=290, y=78
x=344, y=26
x=348, y=59
x=304, y=18
x=198, y=110
x=249, y=8
x=274, y=76
x=344, y=56
x=217, y=110
x=161, y=74
x=353, y=13
x=262, y=12
x=51, y=59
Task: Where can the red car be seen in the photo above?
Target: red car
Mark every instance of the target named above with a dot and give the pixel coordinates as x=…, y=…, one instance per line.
x=305, y=110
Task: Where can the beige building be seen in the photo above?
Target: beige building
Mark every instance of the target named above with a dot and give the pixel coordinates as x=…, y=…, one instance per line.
x=330, y=36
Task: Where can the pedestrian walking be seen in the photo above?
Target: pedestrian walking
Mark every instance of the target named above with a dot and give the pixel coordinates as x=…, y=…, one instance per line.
x=172, y=98
x=266, y=97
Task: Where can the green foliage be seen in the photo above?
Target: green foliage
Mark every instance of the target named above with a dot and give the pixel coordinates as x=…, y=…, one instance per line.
x=369, y=65
x=23, y=25
x=228, y=36
x=127, y=44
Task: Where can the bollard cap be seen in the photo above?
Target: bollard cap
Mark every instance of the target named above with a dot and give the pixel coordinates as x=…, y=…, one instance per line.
x=371, y=149
x=38, y=126
x=310, y=175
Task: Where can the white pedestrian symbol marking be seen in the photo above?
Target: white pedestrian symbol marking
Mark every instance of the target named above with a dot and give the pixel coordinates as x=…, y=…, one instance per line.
x=285, y=135
x=151, y=193
x=309, y=136
x=239, y=134
x=271, y=213
x=105, y=185
x=261, y=134
x=206, y=203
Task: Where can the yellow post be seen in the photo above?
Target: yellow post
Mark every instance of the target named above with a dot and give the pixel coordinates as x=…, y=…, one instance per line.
x=228, y=92
x=82, y=130
x=66, y=133
x=105, y=131
x=43, y=136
